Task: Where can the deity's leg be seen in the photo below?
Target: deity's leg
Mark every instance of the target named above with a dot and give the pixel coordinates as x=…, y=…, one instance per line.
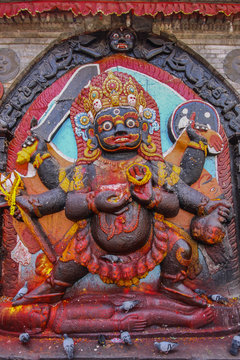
x=173, y=274
x=64, y=275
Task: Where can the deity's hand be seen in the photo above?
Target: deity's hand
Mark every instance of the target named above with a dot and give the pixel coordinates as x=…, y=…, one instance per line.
x=139, y=177
x=29, y=204
x=195, y=134
x=224, y=209
x=17, y=214
x=30, y=148
x=111, y=201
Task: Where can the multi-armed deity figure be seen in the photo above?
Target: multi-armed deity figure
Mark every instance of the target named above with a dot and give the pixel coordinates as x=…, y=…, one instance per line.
x=121, y=195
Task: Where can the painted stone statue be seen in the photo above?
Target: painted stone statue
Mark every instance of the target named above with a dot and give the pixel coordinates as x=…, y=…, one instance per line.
x=120, y=197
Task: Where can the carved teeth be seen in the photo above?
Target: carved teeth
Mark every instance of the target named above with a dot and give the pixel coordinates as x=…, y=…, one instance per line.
x=121, y=139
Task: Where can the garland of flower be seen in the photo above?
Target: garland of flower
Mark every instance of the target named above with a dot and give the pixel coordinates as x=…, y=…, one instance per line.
x=10, y=196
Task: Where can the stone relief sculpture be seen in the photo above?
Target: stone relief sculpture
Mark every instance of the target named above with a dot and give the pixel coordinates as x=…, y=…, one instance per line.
x=129, y=207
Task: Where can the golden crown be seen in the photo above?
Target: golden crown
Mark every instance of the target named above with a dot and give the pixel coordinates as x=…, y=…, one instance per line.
x=112, y=89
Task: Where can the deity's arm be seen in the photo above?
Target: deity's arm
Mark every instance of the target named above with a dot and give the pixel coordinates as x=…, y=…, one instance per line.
x=192, y=165
x=190, y=199
x=168, y=177
x=83, y=201
x=48, y=172
x=80, y=205
x=79, y=196
x=196, y=203
x=36, y=152
x=164, y=202
x=46, y=203
x=149, y=192
x=193, y=159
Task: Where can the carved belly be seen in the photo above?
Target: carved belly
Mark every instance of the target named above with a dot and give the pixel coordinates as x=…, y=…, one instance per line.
x=123, y=233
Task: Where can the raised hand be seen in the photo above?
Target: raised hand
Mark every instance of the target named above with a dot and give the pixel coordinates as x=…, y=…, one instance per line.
x=224, y=209
x=31, y=147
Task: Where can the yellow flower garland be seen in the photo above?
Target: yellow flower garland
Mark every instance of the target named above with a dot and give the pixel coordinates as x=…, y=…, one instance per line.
x=10, y=197
x=145, y=179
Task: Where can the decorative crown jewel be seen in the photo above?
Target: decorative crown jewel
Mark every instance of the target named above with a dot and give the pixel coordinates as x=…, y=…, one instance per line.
x=115, y=89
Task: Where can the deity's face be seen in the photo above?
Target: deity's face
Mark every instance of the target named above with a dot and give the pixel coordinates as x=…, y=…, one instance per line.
x=122, y=40
x=118, y=129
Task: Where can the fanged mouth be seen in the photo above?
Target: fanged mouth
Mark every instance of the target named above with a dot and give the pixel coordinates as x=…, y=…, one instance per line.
x=122, y=46
x=123, y=139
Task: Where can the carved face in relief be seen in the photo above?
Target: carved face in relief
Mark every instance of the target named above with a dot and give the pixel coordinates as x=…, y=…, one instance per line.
x=4, y=64
x=118, y=128
x=9, y=64
x=231, y=65
x=122, y=40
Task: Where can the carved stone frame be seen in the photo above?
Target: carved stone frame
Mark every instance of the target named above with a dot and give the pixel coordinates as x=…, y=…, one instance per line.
x=174, y=58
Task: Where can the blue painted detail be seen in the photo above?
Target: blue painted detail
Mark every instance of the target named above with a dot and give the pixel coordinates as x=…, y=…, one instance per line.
x=82, y=123
x=65, y=141
x=210, y=165
x=149, y=115
x=50, y=105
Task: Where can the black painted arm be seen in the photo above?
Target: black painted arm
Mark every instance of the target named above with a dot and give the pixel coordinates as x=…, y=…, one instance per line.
x=164, y=202
x=48, y=173
x=77, y=205
x=189, y=199
x=49, y=202
x=193, y=159
x=192, y=165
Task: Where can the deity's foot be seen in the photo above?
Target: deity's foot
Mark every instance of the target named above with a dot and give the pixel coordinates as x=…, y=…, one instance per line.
x=181, y=292
x=200, y=318
x=44, y=293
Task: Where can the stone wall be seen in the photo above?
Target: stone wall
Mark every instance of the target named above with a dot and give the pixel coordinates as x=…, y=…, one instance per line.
x=210, y=37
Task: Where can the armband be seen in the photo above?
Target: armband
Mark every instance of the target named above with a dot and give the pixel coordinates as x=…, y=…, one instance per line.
x=201, y=207
x=199, y=146
x=91, y=203
x=39, y=159
x=157, y=198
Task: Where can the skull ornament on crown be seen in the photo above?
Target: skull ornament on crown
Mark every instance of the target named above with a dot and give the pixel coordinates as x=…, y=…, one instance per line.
x=113, y=90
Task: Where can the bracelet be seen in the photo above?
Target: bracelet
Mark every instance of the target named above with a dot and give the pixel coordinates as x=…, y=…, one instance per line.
x=199, y=146
x=35, y=209
x=201, y=206
x=39, y=159
x=91, y=203
x=157, y=198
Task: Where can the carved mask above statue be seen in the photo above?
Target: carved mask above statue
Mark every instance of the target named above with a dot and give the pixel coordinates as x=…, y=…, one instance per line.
x=122, y=40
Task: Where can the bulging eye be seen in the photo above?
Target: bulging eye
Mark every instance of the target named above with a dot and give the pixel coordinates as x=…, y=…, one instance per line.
x=115, y=36
x=127, y=36
x=130, y=123
x=107, y=126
